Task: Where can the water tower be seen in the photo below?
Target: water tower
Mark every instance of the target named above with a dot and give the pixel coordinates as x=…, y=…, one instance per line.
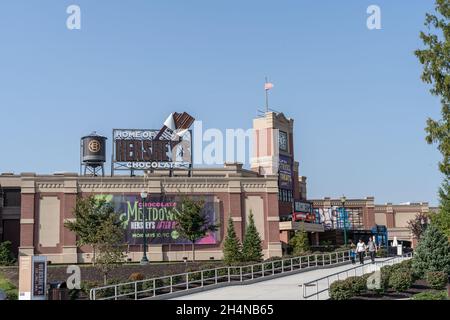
x=93, y=154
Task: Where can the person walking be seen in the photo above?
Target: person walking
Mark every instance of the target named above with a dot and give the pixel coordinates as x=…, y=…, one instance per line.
x=361, y=249
x=352, y=252
x=372, y=248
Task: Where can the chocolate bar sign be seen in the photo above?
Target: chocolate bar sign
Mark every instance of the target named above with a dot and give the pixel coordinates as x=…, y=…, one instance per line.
x=167, y=148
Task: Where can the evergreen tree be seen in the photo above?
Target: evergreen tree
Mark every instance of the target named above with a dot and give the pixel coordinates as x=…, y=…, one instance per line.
x=232, y=246
x=432, y=252
x=299, y=243
x=435, y=59
x=192, y=223
x=252, y=246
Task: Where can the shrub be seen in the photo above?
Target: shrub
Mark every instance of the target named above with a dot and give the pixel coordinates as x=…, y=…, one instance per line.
x=400, y=280
x=6, y=256
x=136, y=276
x=341, y=290
x=12, y=294
x=382, y=252
x=385, y=275
x=299, y=243
x=437, y=280
x=431, y=295
x=210, y=273
x=358, y=284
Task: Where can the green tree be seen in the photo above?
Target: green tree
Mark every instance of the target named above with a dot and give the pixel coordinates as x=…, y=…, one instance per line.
x=192, y=222
x=110, y=246
x=432, y=252
x=435, y=58
x=232, y=246
x=418, y=225
x=90, y=214
x=299, y=243
x=6, y=255
x=252, y=246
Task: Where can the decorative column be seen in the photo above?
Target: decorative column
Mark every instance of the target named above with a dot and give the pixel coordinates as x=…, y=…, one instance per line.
x=69, y=247
x=274, y=248
x=235, y=205
x=27, y=214
x=390, y=221
x=369, y=213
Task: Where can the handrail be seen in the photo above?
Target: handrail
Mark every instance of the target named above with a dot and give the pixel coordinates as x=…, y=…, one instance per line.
x=315, y=282
x=170, y=284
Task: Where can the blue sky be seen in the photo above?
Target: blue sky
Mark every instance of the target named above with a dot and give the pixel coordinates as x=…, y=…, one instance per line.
x=355, y=94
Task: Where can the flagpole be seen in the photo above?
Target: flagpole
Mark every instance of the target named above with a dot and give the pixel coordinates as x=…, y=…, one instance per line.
x=267, y=98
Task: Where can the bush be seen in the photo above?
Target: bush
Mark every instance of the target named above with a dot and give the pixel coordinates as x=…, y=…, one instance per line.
x=357, y=284
x=382, y=252
x=400, y=280
x=136, y=276
x=12, y=294
x=6, y=256
x=385, y=275
x=431, y=295
x=341, y=290
x=437, y=280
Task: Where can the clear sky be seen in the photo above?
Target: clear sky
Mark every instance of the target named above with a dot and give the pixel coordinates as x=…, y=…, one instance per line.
x=355, y=94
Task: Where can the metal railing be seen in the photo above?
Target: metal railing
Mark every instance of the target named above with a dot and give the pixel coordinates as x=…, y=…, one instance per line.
x=221, y=276
x=322, y=285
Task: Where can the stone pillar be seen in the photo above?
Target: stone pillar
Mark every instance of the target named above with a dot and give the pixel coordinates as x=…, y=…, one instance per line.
x=390, y=221
x=235, y=205
x=27, y=214
x=284, y=236
x=274, y=248
x=369, y=213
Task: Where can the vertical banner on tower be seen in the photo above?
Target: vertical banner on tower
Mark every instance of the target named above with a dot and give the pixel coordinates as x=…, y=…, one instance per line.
x=285, y=172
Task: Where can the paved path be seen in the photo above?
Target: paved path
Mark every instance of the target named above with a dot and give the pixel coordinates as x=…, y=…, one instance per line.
x=284, y=288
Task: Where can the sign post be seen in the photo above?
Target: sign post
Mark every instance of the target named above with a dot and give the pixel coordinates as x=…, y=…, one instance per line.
x=32, y=278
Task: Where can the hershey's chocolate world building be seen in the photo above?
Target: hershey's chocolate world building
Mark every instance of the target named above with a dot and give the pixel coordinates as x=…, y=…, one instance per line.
x=33, y=207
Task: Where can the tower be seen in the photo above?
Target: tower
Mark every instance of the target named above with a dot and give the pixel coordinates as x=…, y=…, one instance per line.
x=93, y=154
x=273, y=154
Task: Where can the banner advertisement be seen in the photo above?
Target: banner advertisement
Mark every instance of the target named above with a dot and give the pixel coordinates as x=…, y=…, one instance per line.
x=285, y=172
x=160, y=212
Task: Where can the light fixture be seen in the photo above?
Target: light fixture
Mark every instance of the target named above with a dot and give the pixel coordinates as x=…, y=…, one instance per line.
x=144, y=194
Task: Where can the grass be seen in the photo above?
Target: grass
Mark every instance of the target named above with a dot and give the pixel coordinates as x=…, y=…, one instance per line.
x=9, y=288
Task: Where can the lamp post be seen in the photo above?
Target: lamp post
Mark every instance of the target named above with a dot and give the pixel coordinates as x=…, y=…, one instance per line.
x=343, y=199
x=144, y=195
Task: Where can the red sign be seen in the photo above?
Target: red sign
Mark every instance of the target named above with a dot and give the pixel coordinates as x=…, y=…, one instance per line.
x=307, y=217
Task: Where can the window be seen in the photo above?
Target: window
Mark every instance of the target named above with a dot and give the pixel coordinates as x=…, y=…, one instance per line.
x=283, y=141
x=285, y=195
x=11, y=197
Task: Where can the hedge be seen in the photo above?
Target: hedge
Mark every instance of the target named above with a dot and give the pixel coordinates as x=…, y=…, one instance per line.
x=437, y=280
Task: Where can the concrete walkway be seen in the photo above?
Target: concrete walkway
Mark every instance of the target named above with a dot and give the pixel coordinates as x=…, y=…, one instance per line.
x=284, y=288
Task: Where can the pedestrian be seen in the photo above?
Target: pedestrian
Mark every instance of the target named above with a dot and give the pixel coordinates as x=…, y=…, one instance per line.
x=361, y=249
x=352, y=252
x=372, y=249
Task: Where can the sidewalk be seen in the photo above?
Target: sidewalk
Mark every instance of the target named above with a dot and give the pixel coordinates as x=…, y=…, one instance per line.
x=284, y=288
